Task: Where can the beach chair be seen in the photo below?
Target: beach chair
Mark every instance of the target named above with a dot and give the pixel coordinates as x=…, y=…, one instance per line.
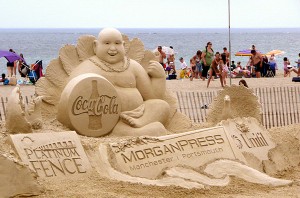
x=33, y=72
x=270, y=72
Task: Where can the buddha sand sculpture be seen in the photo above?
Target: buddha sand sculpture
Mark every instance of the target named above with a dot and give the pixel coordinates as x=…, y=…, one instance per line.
x=95, y=81
x=125, y=97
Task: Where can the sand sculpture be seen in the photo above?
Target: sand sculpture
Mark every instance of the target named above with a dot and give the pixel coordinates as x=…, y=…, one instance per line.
x=17, y=179
x=91, y=87
x=239, y=102
x=19, y=119
x=137, y=86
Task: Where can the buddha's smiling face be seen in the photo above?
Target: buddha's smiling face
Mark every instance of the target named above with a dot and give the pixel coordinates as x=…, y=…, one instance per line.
x=110, y=46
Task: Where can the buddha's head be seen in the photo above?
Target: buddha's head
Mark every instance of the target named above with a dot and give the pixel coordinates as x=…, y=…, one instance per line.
x=110, y=46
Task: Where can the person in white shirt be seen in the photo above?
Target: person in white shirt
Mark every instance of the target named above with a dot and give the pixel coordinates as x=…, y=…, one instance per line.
x=273, y=64
x=183, y=64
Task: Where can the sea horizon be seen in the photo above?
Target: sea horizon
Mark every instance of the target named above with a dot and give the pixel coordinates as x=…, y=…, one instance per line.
x=44, y=43
x=233, y=30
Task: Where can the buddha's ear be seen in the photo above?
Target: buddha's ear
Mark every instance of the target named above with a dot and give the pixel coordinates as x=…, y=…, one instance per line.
x=95, y=44
x=123, y=42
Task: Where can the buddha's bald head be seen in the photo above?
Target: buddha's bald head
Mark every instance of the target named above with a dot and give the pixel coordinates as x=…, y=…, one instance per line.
x=109, y=32
x=110, y=45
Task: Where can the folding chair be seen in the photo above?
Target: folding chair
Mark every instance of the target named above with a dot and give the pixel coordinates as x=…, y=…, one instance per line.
x=269, y=72
x=30, y=73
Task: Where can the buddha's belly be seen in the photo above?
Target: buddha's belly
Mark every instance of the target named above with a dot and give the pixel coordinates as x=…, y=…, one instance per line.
x=130, y=98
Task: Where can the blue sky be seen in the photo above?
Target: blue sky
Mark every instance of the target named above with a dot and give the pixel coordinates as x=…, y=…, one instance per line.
x=149, y=13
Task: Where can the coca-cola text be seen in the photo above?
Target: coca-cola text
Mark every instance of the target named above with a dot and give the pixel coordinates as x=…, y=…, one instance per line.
x=102, y=105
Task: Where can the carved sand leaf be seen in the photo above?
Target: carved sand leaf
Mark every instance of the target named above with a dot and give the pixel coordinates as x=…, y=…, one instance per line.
x=85, y=47
x=56, y=74
x=126, y=43
x=136, y=50
x=148, y=57
x=69, y=58
x=50, y=92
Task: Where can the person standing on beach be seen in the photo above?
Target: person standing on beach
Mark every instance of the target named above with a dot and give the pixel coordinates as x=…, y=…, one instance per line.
x=193, y=69
x=227, y=55
x=10, y=66
x=197, y=59
x=206, y=59
x=298, y=64
x=273, y=64
x=162, y=56
x=257, y=61
x=19, y=64
x=224, y=67
x=214, y=69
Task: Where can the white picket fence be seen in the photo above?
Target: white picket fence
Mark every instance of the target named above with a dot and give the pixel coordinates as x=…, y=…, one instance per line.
x=280, y=105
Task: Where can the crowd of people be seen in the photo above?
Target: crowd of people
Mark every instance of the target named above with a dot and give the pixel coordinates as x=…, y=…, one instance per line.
x=207, y=64
x=31, y=73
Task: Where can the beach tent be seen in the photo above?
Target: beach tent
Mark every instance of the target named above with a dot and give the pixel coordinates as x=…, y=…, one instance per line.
x=10, y=56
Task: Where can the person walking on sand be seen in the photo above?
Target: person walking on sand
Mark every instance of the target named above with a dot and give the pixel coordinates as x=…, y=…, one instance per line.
x=257, y=61
x=206, y=59
x=214, y=69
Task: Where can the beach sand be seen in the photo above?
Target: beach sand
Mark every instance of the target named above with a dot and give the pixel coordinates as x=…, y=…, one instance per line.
x=97, y=185
x=195, y=85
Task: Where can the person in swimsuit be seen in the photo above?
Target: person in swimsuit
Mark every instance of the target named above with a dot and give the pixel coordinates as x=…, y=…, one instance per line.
x=257, y=61
x=214, y=69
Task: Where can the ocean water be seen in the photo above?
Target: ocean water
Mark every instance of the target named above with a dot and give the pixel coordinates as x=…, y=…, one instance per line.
x=44, y=44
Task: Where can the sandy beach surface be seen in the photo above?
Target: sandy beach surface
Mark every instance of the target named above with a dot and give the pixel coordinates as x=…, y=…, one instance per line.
x=195, y=85
x=97, y=185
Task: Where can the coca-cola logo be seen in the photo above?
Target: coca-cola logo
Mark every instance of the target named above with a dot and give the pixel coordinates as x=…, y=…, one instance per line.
x=101, y=105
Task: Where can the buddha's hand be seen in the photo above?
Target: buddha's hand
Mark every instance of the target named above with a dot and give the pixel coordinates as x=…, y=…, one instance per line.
x=155, y=70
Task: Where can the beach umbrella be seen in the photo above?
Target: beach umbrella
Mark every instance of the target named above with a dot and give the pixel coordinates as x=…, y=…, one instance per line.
x=10, y=56
x=275, y=52
x=165, y=49
x=246, y=52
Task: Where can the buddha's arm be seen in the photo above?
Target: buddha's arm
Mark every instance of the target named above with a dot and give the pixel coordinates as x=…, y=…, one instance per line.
x=151, y=83
x=158, y=79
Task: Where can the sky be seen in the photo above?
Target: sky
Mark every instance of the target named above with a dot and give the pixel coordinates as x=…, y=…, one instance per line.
x=149, y=13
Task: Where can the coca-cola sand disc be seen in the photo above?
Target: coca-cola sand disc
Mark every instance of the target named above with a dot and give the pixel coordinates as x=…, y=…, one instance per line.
x=90, y=105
